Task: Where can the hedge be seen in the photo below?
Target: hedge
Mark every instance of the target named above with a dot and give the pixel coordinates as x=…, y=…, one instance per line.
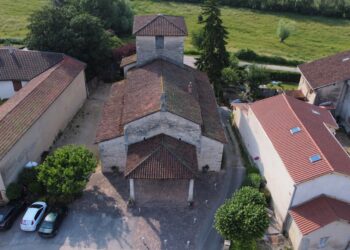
x=11, y=41
x=284, y=76
x=251, y=56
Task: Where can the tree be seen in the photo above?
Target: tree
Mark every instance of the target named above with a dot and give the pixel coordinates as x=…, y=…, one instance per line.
x=65, y=30
x=13, y=191
x=230, y=77
x=213, y=56
x=284, y=30
x=64, y=174
x=243, y=218
x=197, y=37
x=114, y=14
x=255, y=77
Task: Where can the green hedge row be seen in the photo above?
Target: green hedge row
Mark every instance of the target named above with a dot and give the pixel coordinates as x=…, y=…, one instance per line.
x=251, y=56
x=12, y=41
x=283, y=76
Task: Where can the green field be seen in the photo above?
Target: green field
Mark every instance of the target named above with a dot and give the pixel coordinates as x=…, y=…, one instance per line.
x=314, y=37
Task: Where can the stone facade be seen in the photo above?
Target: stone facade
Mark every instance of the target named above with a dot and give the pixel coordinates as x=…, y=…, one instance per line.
x=147, y=51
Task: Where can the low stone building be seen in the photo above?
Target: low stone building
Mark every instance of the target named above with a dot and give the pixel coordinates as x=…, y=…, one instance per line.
x=326, y=82
x=37, y=111
x=162, y=121
x=306, y=169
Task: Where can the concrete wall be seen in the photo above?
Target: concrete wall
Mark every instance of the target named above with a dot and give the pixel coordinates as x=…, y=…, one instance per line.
x=270, y=164
x=113, y=154
x=343, y=109
x=41, y=135
x=146, y=48
x=340, y=188
x=210, y=154
x=6, y=89
x=337, y=231
x=329, y=93
x=306, y=90
x=162, y=123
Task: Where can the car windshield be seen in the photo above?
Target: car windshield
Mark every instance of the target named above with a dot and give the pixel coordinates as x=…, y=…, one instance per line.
x=47, y=225
x=36, y=206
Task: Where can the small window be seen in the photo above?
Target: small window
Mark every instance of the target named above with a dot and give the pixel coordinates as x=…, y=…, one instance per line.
x=159, y=42
x=315, y=158
x=323, y=242
x=295, y=130
x=37, y=214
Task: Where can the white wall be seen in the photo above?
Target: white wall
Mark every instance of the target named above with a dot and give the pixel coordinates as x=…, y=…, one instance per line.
x=306, y=90
x=162, y=123
x=333, y=185
x=294, y=235
x=270, y=164
x=146, y=48
x=113, y=154
x=42, y=133
x=6, y=89
x=210, y=154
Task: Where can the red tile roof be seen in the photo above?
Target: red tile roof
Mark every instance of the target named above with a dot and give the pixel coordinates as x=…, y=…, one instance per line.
x=318, y=213
x=159, y=25
x=21, y=111
x=279, y=114
x=161, y=85
x=161, y=157
x=327, y=70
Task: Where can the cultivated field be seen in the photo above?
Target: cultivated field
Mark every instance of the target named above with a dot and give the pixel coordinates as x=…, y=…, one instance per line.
x=314, y=36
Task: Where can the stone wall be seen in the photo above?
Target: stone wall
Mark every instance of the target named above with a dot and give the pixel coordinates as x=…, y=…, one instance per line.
x=210, y=154
x=113, y=154
x=146, y=49
x=41, y=135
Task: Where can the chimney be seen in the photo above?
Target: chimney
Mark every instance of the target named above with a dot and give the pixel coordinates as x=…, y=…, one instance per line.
x=189, y=88
x=11, y=50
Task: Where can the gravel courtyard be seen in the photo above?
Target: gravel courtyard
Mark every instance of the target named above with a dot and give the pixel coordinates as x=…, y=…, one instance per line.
x=100, y=219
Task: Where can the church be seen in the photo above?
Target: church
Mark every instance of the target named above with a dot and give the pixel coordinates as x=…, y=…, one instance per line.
x=161, y=123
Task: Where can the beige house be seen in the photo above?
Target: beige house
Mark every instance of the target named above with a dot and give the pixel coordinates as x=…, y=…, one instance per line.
x=37, y=111
x=161, y=123
x=326, y=82
x=294, y=147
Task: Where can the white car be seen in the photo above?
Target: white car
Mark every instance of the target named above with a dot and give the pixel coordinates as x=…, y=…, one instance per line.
x=33, y=216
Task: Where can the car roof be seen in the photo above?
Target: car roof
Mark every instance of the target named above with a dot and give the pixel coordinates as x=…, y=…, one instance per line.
x=5, y=210
x=51, y=217
x=30, y=213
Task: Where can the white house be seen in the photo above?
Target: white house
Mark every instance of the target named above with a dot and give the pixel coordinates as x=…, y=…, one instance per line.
x=161, y=108
x=293, y=145
x=326, y=82
x=35, y=113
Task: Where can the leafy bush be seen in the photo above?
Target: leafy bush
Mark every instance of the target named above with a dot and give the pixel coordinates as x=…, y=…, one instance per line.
x=64, y=174
x=197, y=38
x=253, y=180
x=124, y=51
x=13, y=191
x=12, y=41
x=284, y=29
x=243, y=218
x=251, y=56
x=284, y=76
x=229, y=77
x=27, y=176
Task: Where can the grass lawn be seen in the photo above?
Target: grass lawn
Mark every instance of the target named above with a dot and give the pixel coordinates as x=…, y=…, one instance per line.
x=315, y=36
x=283, y=86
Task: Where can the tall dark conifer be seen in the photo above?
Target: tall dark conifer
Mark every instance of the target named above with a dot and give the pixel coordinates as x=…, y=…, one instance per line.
x=213, y=56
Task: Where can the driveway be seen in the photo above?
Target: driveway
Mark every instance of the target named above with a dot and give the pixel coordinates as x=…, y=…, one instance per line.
x=190, y=61
x=100, y=219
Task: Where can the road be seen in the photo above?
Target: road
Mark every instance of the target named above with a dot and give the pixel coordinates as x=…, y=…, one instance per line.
x=235, y=171
x=190, y=60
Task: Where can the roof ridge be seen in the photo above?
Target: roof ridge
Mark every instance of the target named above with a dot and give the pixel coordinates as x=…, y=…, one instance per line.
x=165, y=17
x=308, y=133
x=154, y=19
x=143, y=26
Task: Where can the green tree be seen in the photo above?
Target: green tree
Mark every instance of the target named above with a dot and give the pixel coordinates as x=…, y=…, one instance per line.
x=65, y=30
x=230, y=77
x=64, y=174
x=197, y=37
x=213, y=56
x=114, y=14
x=243, y=218
x=255, y=77
x=13, y=191
x=284, y=30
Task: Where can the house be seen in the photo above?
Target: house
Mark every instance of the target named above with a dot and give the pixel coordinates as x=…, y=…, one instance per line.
x=45, y=91
x=293, y=145
x=326, y=82
x=161, y=123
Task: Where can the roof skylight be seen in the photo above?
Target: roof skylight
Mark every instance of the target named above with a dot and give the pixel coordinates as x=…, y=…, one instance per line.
x=314, y=158
x=346, y=59
x=315, y=112
x=294, y=130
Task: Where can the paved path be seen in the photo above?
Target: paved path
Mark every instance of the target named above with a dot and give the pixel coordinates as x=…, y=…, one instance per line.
x=190, y=60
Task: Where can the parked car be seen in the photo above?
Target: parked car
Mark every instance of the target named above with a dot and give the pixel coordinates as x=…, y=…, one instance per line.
x=49, y=227
x=9, y=213
x=33, y=216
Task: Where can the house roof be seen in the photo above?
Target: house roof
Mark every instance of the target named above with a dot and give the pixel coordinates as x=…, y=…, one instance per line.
x=327, y=70
x=279, y=114
x=24, y=65
x=161, y=86
x=159, y=25
x=22, y=110
x=161, y=157
x=319, y=212
x=128, y=60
